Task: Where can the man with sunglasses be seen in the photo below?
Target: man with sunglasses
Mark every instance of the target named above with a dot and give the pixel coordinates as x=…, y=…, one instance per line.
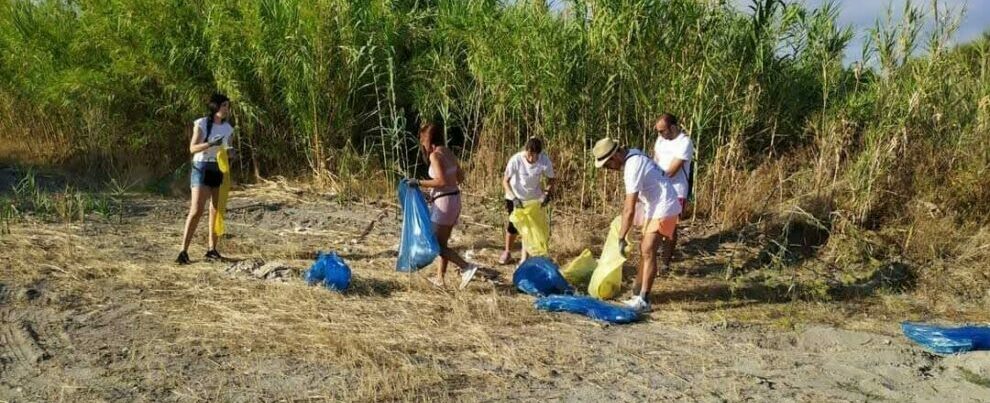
x=673, y=153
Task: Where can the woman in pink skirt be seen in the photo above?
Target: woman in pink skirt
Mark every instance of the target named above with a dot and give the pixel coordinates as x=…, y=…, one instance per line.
x=445, y=178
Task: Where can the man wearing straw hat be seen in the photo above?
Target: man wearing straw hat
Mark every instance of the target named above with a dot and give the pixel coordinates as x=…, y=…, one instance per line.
x=649, y=192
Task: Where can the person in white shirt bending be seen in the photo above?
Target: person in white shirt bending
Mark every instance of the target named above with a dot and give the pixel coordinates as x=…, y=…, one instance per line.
x=673, y=152
x=649, y=191
x=523, y=181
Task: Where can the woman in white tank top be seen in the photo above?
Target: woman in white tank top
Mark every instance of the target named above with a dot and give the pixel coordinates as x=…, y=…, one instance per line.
x=209, y=134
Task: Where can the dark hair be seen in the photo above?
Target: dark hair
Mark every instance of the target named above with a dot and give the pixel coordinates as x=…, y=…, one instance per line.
x=669, y=119
x=435, y=131
x=534, y=145
x=213, y=107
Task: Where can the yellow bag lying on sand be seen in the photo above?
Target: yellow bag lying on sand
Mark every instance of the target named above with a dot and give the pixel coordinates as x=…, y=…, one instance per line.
x=533, y=226
x=579, y=270
x=224, y=163
x=607, y=278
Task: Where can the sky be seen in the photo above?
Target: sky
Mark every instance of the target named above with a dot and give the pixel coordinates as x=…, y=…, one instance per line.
x=861, y=15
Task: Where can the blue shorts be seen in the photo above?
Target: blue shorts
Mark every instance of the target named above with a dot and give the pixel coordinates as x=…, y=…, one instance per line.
x=205, y=173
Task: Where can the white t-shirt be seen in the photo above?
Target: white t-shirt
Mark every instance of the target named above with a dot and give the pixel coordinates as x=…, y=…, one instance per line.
x=524, y=178
x=666, y=151
x=657, y=197
x=223, y=130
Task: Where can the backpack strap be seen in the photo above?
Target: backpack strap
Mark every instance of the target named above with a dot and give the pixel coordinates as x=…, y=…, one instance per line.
x=690, y=184
x=209, y=129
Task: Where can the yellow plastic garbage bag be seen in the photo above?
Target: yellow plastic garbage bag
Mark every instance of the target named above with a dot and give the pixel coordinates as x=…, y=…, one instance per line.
x=531, y=221
x=607, y=278
x=579, y=270
x=224, y=163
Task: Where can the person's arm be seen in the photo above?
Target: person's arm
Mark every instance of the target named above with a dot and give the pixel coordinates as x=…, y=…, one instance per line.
x=507, y=187
x=510, y=171
x=551, y=177
x=228, y=144
x=684, y=154
x=674, y=167
x=195, y=145
x=628, y=214
x=632, y=186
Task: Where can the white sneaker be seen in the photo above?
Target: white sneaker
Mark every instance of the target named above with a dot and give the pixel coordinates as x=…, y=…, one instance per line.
x=637, y=304
x=467, y=275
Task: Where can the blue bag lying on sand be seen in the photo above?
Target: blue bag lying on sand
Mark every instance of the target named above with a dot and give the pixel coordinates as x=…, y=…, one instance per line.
x=330, y=270
x=948, y=340
x=591, y=307
x=418, y=246
x=539, y=276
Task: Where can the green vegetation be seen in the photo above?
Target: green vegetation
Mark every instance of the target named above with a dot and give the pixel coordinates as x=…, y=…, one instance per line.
x=974, y=377
x=882, y=163
x=68, y=205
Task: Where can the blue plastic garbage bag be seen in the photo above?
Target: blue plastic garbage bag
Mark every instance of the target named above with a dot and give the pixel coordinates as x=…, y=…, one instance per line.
x=418, y=246
x=948, y=340
x=591, y=307
x=539, y=276
x=330, y=270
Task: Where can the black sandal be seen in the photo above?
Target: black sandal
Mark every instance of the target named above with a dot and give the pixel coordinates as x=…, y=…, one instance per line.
x=183, y=258
x=213, y=255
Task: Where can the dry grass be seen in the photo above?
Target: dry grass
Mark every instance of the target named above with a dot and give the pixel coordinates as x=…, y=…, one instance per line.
x=392, y=332
x=392, y=336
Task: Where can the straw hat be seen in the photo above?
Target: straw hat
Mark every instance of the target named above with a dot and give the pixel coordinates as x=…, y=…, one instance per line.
x=603, y=150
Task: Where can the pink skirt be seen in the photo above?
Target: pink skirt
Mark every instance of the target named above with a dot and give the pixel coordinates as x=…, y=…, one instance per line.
x=446, y=210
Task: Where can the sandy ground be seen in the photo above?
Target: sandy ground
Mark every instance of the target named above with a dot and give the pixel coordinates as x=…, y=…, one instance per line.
x=96, y=311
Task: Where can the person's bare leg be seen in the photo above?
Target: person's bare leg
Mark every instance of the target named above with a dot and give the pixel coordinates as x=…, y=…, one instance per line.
x=638, y=281
x=510, y=239
x=214, y=201
x=447, y=254
x=648, y=252
x=442, y=233
x=197, y=199
x=667, y=254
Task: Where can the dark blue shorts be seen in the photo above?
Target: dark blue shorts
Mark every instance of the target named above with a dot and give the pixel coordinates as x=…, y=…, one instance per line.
x=205, y=173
